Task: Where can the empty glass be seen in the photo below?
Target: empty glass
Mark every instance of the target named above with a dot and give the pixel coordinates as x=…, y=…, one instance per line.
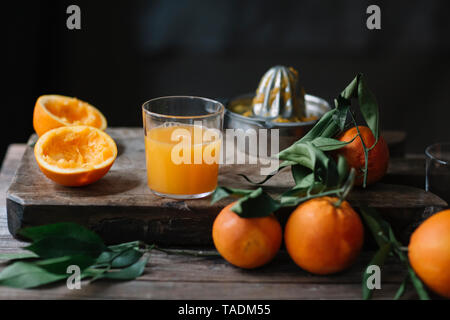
x=438, y=170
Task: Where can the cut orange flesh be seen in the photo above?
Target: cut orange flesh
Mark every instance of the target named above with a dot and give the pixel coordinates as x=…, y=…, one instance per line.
x=53, y=111
x=75, y=155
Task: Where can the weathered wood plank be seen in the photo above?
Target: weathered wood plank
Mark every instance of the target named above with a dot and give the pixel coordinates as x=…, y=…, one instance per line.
x=186, y=277
x=187, y=268
x=166, y=267
x=10, y=163
x=9, y=166
x=396, y=142
x=409, y=171
x=120, y=207
x=168, y=290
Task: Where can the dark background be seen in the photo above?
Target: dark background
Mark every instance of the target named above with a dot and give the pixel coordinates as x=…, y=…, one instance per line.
x=130, y=51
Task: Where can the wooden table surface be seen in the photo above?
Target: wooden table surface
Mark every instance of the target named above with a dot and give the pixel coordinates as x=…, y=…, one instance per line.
x=120, y=207
x=170, y=276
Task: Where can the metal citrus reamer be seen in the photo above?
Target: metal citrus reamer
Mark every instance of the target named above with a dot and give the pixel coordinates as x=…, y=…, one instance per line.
x=279, y=95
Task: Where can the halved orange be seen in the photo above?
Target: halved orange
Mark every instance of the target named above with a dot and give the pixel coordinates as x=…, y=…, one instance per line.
x=53, y=111
x=75, y=155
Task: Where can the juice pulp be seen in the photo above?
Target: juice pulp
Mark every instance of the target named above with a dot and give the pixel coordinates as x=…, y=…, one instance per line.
x=166, y=175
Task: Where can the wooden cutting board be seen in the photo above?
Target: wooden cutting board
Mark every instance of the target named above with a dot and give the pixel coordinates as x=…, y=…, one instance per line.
x=120, y=207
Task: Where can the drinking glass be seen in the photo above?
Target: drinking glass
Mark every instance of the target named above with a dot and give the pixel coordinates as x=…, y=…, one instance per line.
x=183, y=136
x=438, y=170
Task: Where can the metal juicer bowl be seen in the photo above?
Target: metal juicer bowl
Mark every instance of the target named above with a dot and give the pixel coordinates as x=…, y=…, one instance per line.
x=289, y=132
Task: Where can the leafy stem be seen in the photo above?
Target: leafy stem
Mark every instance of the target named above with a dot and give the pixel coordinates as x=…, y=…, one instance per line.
x=101, y=273
x=47, y=260
x=346, y=188
x=316, y=171
x=193, y=253
x=388, y=245
x=366, y=150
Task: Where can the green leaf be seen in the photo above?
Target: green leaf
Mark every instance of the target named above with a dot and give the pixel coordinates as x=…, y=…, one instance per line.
x=126, y=258
x=94, y=273
x=286, y=200
x=300, y=173
x=368, y=106
x=342, y=169
x=306, y=183
x=129, y=273
x=224, y=192
x=417, y=283
x=59, y=265
x=219, y=194
x=63, y=229
x=401, y=289
x=303, y=154
x=384, y=234
x=256, y=204
x=330, y=173
x=63, y=239
x=300, y=190
x=350, y=91
x=126, y=245
x=394, y=240
x=378, y=259
x=27, y=275
x=57, y=246
x=18, y=256
x=320, y=138
x=329, y=144
x=376, y=224
x=327, y=126
x=315, y=172
x=348, y=185
x=106, y=257
x=310, y=157
x=253, y=203
x=340, y=116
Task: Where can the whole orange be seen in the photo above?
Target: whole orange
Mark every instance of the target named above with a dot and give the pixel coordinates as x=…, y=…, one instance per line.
x=246, y=242
x=378, y=157
x=429, y=252
x=322, y=238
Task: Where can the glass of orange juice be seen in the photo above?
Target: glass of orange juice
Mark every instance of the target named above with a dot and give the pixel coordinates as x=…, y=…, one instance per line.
x=183, y=137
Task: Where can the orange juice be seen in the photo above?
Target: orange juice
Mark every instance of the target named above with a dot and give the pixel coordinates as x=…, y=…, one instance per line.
x=182, y=159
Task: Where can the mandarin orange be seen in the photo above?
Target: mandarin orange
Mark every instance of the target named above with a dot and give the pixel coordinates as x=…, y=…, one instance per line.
x=429, y=252
x=378, y=157
x=324, y=238
x=246, y=242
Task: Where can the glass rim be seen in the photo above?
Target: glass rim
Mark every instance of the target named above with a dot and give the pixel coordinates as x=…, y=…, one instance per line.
x=430, y=155
x=205, y=116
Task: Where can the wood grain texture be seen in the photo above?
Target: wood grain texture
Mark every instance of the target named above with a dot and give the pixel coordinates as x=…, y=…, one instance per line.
x=169, y=276
x=409, y=171
x=186, y=277
x=171, y=290
x=120, y=207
